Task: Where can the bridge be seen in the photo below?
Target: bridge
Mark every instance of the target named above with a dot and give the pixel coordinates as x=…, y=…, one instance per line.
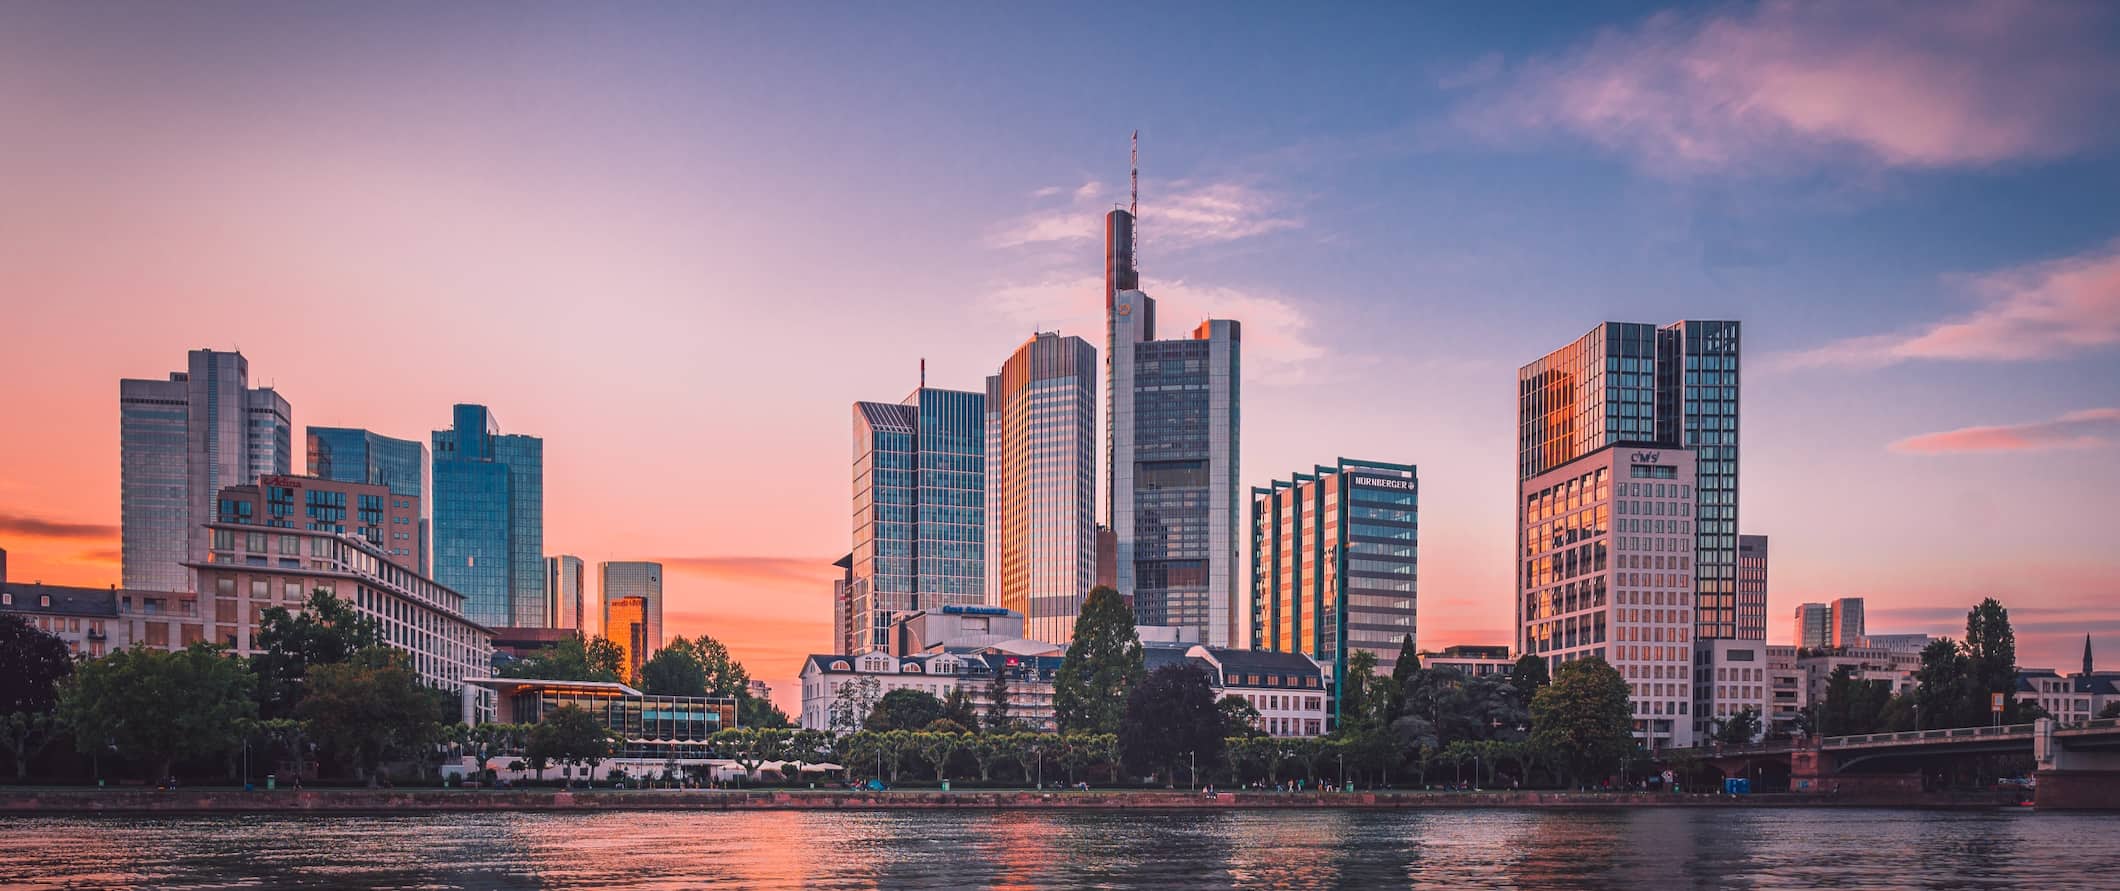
x=2078, y=765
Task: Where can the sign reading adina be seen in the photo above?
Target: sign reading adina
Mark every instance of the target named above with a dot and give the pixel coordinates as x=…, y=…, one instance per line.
x=1644, y=457
x=1383, y=482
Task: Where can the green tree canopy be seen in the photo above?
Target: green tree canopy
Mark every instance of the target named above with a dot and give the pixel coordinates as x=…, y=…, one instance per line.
x=1103, y=663
x=1239, y=718
x=1739, y=729
x=1583, y=720
x=762, y=714
x=158, y=706
x=32, y=663
x=1172, y=720
x=1402, y=673
x=904, y=709
x=997, y=718
x=370, y=708
x=1528, y=675
x=1852, y=704
x=572, y=659
x=1990, y=663
x=569, y=735
x=1358, y=701
x=674, y=670
x=327, y=631
x=1940, y=686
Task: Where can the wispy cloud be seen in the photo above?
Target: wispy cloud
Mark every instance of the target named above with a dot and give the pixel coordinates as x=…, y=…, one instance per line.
x=39, y=527
x=1278, y=335
x=2076, y=430
x=1183, y=214
x=1785, y=84
x=2037, y=311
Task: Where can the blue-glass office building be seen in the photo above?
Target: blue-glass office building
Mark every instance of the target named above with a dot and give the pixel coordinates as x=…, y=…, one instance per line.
x=919, y=512
x=489, y=519
x=353, y=455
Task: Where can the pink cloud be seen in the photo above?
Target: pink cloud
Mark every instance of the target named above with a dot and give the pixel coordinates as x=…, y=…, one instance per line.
x=2075, y=430
x=1901, y=84
x=1182, y=214
x=2036, y=311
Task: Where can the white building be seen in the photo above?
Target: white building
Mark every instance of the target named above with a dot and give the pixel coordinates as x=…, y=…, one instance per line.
x=1787, y=693
x=1729, y=676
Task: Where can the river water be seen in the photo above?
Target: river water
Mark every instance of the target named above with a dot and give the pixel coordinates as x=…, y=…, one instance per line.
x=1441, y=848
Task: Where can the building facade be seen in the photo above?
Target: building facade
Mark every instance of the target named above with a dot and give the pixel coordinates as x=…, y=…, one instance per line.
x=847, y=634
x=653, y=730
x=353, y=455
x=252, y=568
x=1729, y=678
x=1605, y=561
x=1335, y=563
x=181, y=441
x=632, y=594
x=566, y=596
x=1752, y=588
x=489, y=519
x=383, y=518
x=626, y=624
x=919, y=509
x=1849, y=627
x=1788, y=696
x=1471, y=660
x=1814, y=626
x=1041, y=483
x=1629, y=385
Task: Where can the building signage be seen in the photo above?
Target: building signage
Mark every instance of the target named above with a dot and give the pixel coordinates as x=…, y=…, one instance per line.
x=1644, y=457
x=955, y=610
x=1383, y=482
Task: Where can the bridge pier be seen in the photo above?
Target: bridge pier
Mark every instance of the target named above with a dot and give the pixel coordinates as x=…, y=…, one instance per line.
x=2073, y=779
x=1811, y=770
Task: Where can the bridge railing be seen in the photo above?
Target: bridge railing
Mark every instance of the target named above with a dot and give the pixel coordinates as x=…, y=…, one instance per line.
x=1946, y=734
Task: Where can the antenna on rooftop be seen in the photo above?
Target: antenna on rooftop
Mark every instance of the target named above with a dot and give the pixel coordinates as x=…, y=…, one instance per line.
x=1133, y=202
x=923, y=372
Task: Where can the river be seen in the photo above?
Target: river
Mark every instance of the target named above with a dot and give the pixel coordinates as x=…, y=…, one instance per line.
x=1431, y=848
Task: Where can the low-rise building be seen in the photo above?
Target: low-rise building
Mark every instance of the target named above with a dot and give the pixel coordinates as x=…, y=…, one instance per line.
x=1895, y=668
x=1287, y=689
x=1471, y=660
x=657, y=728
x=2070, y=698
x=1729, y=676
x=861, y=680
x=1787, y=694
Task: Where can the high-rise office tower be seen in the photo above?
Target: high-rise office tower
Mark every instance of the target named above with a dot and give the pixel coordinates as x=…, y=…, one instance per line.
x=919, y=510
x=626, y=624
x=1172, y=497
x=846, y=633
x=1751, y=587
x=353, y=455
x=1814, y=626
x=489, y=519
x=620, y=583
x=1334, y=563
x=1627, y=384
x=180, y=442
x=1848, y=626
x=566, y=587
x=1041, y=483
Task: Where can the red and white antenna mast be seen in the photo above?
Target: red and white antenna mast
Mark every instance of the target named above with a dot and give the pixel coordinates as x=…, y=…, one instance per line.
x=1133, y=202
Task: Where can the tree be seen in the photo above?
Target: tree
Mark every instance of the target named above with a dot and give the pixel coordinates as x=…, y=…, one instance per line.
x=571, y=659
x=957, y=709
x=158, y=706
x=1528, y=675
x=32, y=663
x=2111, y=710
x=674, y=670
x=725, y=675
x=370, y=709
x=24, y=735
x=570, y=736
x=1852, y=705
x=938, y=745
x=1239, y=719
x=1940, y=685
x=1990, y=663
x=904, y=709
x=1582, y=718
x=1358, y=690
x=997, y=704
x=1739, y=729
x=328, y=631
x=1171, y=719
x=1103, y=663
x=1402, y=674
x=755, y=712
x=852, y=702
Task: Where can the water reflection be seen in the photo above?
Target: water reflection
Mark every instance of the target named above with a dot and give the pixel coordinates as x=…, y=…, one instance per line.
x=1525, y=849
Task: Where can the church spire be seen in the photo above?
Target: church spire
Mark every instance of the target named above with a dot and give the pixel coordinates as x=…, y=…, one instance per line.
x=2086, y=654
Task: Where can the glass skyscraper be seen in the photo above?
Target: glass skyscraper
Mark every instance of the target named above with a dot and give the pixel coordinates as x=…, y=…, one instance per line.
x=566, y=593
x=489, y=519
x=620, y=584
x=1041, y=483
x=180, y=442
x=919, y=509
x=1335, y=563
x=353, y=455
x=1172, y=499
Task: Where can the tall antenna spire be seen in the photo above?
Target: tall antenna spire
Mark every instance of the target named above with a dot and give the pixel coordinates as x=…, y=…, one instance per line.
x=1133, y=202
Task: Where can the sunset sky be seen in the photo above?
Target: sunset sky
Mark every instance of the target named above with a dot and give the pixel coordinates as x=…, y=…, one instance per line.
x=677, y=242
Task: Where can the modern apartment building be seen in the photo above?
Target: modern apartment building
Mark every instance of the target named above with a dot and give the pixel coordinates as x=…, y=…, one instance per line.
x=489, y=519
x=1729, y=677
x=181, y=441
x=1335, y=563
x=383, y=518
x=621, y=582
x=1041, y=483
x=919, y=509
x=1752, y=587
x=1814, y=626
x=567, y=603
x=1173, y=497
x=350, y=454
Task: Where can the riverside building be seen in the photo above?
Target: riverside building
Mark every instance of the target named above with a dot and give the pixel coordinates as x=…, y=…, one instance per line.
x=489, y=519
x=1041, y=483
x=919, y=510
x=1335, y=563
x=383, y=518
x=353, y=455
x=181, y=441
x=567, y=602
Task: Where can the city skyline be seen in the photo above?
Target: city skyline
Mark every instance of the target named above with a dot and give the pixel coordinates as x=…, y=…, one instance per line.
x=1930, y=310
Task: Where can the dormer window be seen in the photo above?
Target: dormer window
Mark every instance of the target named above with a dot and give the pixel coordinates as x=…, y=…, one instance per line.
x=841, y=665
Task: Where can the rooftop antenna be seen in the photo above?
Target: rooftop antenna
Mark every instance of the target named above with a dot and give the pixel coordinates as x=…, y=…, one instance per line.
x=1133, y=203
x=923, y=372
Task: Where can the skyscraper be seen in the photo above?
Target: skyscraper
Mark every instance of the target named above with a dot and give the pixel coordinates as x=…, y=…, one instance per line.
x=621, y=584
x=566, y=586
x=1041, y=483
x=1628, y=384
x=1172, y=496
x=919, y=509
x=626, y=624
x=180, y=442
x=1751, y=587
x=1814, y=626
x=353, y=455
x=489, y=519
x=1334, y=563
x=846, y=633
x=1848, y=624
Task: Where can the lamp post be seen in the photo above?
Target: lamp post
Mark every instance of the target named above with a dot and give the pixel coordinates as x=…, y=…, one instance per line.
x=1193, y=760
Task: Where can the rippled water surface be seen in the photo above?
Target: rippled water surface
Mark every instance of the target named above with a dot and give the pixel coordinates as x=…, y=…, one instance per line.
x=1544, y=848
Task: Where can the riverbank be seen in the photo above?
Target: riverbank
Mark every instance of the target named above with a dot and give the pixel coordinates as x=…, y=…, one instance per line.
x=367, y=801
